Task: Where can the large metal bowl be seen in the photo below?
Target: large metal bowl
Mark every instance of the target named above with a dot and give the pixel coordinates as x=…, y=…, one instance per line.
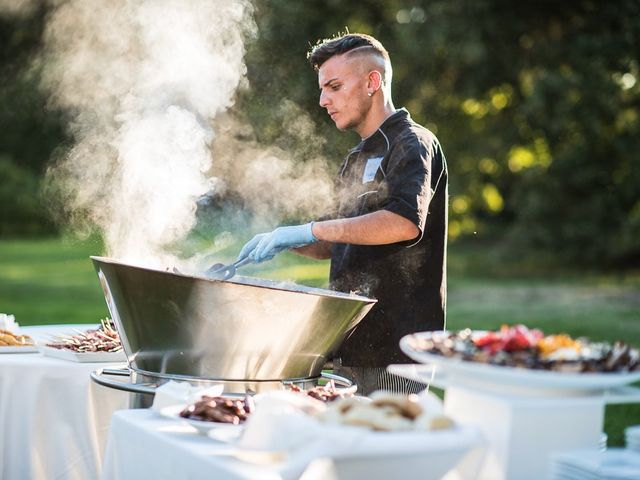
x=175, y=325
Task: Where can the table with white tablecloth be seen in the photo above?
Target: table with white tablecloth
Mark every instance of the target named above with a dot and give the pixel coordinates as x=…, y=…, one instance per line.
x=53, y=419
x=143, y=443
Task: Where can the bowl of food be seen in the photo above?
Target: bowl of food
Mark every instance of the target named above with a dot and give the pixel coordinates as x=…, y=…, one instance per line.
x=521, y=357
x=211, y=412
x=180, y=326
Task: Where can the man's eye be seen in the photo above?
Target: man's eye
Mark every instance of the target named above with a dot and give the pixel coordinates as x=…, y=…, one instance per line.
x=335, y=87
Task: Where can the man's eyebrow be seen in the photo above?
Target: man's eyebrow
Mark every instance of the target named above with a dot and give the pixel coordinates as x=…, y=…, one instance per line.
x=328, y=82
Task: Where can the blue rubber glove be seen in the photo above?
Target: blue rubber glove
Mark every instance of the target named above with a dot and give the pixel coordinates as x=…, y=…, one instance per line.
x=251, y=245
x=265, y=246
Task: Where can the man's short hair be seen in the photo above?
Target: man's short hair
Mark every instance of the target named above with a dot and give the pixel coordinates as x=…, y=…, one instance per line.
x=327, y=48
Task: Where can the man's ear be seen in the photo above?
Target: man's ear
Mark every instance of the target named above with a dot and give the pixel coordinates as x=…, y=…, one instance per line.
x=375, y=80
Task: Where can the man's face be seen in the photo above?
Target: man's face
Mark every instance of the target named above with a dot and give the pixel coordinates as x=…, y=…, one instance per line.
x=343, y=92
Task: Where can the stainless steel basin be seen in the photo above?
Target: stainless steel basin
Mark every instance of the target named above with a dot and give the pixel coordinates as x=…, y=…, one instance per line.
x=176, y=325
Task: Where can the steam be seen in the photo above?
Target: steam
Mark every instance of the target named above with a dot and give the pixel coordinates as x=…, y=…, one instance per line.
x=17, y=7
x=143, y=79
x=288, y=180
x=149, y=85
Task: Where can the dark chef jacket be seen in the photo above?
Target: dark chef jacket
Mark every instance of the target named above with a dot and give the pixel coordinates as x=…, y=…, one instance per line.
x=399, y=168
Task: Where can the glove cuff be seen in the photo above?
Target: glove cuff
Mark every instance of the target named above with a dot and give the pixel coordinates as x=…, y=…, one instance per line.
x=312, y=237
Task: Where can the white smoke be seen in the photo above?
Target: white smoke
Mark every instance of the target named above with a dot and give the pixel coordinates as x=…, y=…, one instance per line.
x=18, y=7
x=287, y=180
x=143, y=79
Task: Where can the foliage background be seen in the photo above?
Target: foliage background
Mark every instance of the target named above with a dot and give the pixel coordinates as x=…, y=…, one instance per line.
x=535, y=103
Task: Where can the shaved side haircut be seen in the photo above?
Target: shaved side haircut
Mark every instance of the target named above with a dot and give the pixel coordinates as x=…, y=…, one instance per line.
x=355, y=44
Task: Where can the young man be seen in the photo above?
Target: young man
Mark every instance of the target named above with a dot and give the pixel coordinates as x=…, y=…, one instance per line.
x=389, y=238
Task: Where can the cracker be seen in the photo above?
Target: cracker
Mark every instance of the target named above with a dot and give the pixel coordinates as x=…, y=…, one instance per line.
x=407, y=406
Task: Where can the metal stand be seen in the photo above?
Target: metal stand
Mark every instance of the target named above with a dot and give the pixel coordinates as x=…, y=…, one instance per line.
x=143, y=386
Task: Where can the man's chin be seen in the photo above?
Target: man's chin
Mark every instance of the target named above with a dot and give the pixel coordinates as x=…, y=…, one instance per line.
x=343, y=127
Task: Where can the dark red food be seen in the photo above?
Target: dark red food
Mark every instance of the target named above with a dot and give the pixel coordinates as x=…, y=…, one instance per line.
x=326, y=393
x=220, y=409
x=509, y=339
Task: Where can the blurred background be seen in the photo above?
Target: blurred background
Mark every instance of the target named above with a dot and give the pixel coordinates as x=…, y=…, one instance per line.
x=536, y=105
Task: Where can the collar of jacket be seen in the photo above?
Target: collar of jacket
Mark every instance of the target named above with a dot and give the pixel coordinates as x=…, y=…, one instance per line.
x=380, y=139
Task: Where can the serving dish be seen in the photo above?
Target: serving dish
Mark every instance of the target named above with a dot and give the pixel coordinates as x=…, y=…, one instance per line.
x=450, y=370
x=263, y=330
x=18, y=349
x=82, y=357
x=203, y=427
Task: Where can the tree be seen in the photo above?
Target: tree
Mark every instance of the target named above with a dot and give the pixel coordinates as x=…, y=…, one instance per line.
x=29, y=131
x=535, y=105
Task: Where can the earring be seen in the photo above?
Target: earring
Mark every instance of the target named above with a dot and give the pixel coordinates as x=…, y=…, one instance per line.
x=369, y=93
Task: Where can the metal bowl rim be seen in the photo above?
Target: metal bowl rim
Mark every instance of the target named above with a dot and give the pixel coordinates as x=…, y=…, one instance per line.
x=318, y=292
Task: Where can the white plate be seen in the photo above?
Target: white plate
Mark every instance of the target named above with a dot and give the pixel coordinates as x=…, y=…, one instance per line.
x=423, y=455
x=89, y=357
x=18, y=349
x=225, y=435
x=462, y=372
x=201, y=426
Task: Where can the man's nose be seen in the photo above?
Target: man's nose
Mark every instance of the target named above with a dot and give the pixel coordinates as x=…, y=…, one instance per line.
x=324, y=101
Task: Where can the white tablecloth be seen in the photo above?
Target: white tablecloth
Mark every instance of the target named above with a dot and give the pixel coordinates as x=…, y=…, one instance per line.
x=143, y=444
x=53, y=419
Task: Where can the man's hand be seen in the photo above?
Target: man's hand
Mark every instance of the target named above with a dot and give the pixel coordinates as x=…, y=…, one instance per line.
x=265, y=246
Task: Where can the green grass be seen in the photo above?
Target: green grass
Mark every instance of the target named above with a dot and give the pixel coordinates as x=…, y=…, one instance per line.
x=52, y=281
x=581, y=308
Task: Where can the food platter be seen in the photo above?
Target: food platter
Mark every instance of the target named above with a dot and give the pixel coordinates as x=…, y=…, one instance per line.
x=11, y=340
x=82, y=357
x=18, y=349
x=456, y=371
x=203, y=427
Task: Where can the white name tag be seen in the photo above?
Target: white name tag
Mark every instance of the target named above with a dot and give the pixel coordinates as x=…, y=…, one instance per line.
x=371, y=168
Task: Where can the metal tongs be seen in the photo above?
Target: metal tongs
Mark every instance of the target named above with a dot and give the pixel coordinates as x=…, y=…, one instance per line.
x=219, y=271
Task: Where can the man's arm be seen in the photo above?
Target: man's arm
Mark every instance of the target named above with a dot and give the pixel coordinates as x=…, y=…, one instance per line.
x=315, y=239
x=320, y=250
x=377, y=228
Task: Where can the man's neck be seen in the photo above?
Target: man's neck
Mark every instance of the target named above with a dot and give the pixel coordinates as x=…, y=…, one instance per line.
x=377, y=115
